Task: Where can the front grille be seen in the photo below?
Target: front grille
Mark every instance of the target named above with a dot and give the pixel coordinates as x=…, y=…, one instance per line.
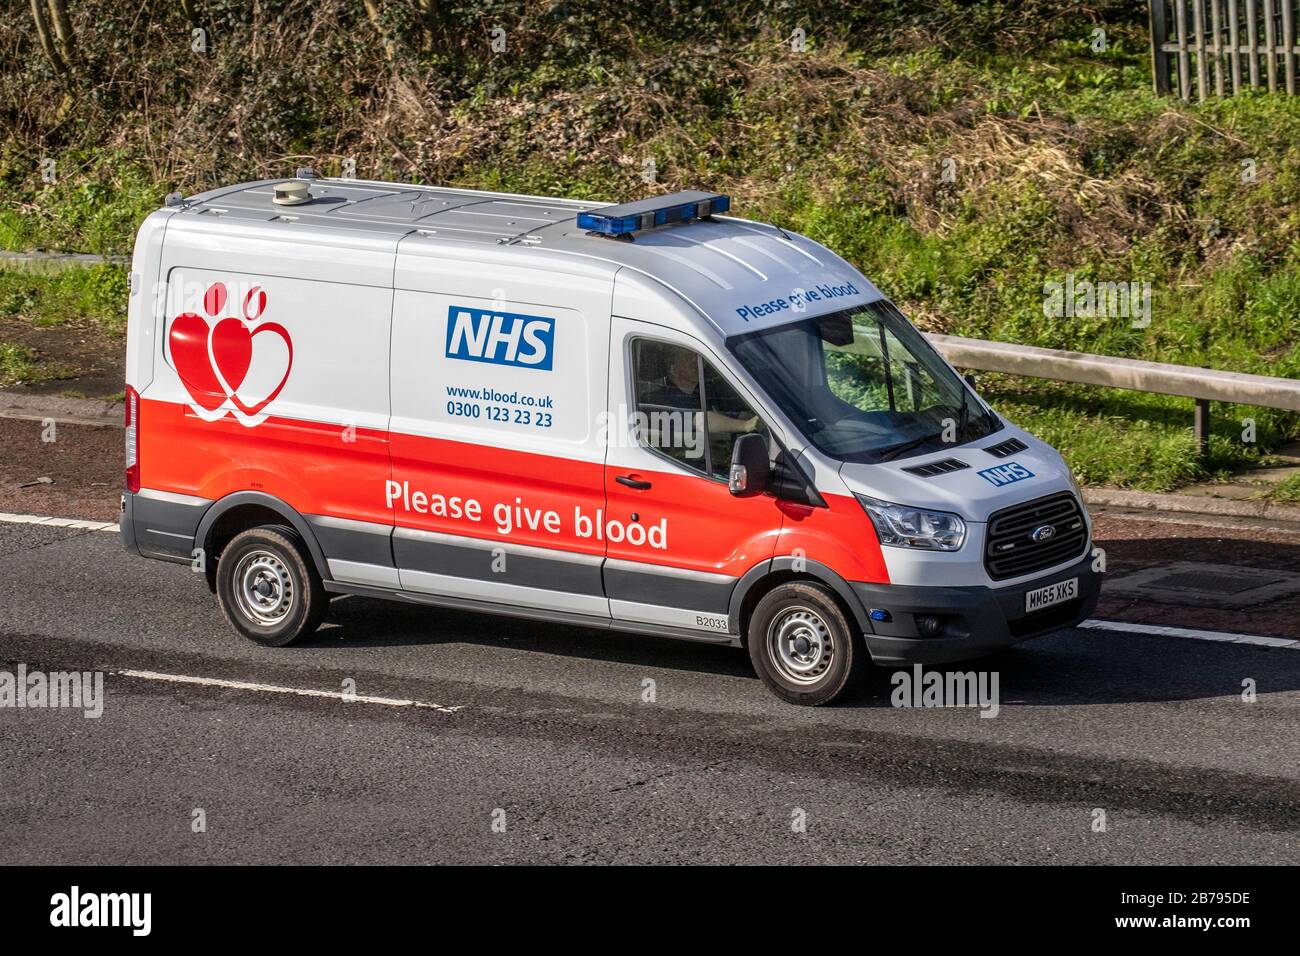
x=1011, y=551
x=937, y=467
x=1005, y=448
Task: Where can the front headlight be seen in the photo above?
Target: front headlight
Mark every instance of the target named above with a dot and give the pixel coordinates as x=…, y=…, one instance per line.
x=902, y=527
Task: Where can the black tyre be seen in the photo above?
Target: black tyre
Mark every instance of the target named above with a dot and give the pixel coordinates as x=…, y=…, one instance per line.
x=267, y=587
x=803, y=646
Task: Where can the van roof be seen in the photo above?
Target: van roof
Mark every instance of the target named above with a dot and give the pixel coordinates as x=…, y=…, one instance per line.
x=723, y=266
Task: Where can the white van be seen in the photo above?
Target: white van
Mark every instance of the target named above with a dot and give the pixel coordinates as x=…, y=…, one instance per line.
x=647, y=417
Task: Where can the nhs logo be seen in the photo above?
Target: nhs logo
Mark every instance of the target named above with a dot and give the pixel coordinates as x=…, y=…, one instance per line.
x=1006, y=474
x=501, y=338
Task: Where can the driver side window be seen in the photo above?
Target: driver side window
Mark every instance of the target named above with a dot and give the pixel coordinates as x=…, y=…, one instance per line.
x=686, y=410
x=729, y=416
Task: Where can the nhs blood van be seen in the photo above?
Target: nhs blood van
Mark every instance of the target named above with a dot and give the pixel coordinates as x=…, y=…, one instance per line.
x=648, y=417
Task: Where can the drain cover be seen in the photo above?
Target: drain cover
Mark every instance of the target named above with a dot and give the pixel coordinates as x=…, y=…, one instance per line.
x=1199, y=584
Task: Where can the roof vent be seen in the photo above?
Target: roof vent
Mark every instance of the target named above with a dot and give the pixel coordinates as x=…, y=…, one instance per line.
x=305, y=172
x=293, y=192
x=941, y=467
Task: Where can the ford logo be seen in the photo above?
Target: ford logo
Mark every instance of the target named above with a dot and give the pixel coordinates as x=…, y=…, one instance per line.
x=1044, y=532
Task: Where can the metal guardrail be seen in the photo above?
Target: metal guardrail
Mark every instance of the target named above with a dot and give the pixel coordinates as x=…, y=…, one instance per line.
x=56, y=261
x=1203, y=385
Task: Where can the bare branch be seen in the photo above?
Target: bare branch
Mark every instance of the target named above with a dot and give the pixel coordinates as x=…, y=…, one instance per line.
x=63, y=30
x=372, y=11
x=47, y=40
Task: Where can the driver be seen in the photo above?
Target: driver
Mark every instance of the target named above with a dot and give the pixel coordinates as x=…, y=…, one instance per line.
x=681, y=389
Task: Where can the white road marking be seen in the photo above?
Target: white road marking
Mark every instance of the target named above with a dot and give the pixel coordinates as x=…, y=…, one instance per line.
x=58, y=522
x=276, y=689
x=1222, y=637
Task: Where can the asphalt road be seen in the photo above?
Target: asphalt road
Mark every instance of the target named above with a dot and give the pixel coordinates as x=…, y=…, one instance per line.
x=543, y=731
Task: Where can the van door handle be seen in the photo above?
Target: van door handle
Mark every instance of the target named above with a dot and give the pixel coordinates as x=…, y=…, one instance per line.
x=631, y=482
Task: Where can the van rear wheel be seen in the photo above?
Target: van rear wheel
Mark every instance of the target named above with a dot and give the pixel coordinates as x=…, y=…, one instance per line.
x=267, y=587
x=803, y=646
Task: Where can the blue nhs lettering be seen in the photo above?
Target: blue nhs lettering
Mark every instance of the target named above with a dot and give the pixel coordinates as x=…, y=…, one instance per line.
x=502, y=338
x=1006, y=474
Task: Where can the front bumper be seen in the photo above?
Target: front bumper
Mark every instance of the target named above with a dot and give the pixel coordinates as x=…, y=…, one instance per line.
x=975, y=620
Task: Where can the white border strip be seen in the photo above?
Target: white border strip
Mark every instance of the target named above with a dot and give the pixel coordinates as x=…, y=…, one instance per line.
x=8, y=518
x=1220, y=637
x=276, y=689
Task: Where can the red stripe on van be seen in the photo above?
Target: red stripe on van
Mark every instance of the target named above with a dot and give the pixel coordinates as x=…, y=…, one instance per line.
x=317, y=468
x=328, y=469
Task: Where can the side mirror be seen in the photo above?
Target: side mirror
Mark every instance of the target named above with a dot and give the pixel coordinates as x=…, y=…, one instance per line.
x=970, y=380
x=751, y=468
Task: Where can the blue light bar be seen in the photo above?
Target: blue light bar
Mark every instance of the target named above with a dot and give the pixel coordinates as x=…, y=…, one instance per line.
x=633, y=217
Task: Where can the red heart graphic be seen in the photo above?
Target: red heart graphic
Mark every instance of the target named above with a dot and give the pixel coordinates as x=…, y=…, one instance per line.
x=189, y=347
x=214, y=300
x=235, y=357
x=232, y=347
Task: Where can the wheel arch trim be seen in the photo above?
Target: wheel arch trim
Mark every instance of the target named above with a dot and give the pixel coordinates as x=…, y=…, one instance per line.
x=806, y=568
x=242, y=498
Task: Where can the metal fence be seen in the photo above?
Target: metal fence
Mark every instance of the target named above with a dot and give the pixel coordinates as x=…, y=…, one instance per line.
x=1203, y=385
x=1219, y=46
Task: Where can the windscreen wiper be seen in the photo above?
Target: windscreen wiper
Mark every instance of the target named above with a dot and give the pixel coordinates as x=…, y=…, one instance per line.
x=893, y=451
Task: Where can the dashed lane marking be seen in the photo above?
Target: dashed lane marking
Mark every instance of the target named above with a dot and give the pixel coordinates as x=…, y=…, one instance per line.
x=1220, y=637
x=52, y=522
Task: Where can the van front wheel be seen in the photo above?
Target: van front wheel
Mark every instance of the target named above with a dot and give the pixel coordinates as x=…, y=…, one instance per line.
x=802, y=644
x=267, y=589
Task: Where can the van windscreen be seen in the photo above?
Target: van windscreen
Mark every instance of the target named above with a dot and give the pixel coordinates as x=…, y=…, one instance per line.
x=863, y=385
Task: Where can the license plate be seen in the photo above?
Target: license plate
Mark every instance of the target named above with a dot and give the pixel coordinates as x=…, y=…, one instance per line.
x=1040, y=598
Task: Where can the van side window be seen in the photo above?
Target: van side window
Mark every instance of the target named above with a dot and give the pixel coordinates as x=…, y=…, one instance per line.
x=675, y=416
x=669, y=412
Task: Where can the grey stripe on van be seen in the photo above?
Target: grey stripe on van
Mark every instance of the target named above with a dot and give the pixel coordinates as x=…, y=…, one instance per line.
x=478, y=559
x=360, y=542
x=489, y=544
x=433, y=562
x=676, y=588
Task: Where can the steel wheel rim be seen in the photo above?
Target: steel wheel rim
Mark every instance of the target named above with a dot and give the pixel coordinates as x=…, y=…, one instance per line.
x=799, y=645
x=263, y=588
